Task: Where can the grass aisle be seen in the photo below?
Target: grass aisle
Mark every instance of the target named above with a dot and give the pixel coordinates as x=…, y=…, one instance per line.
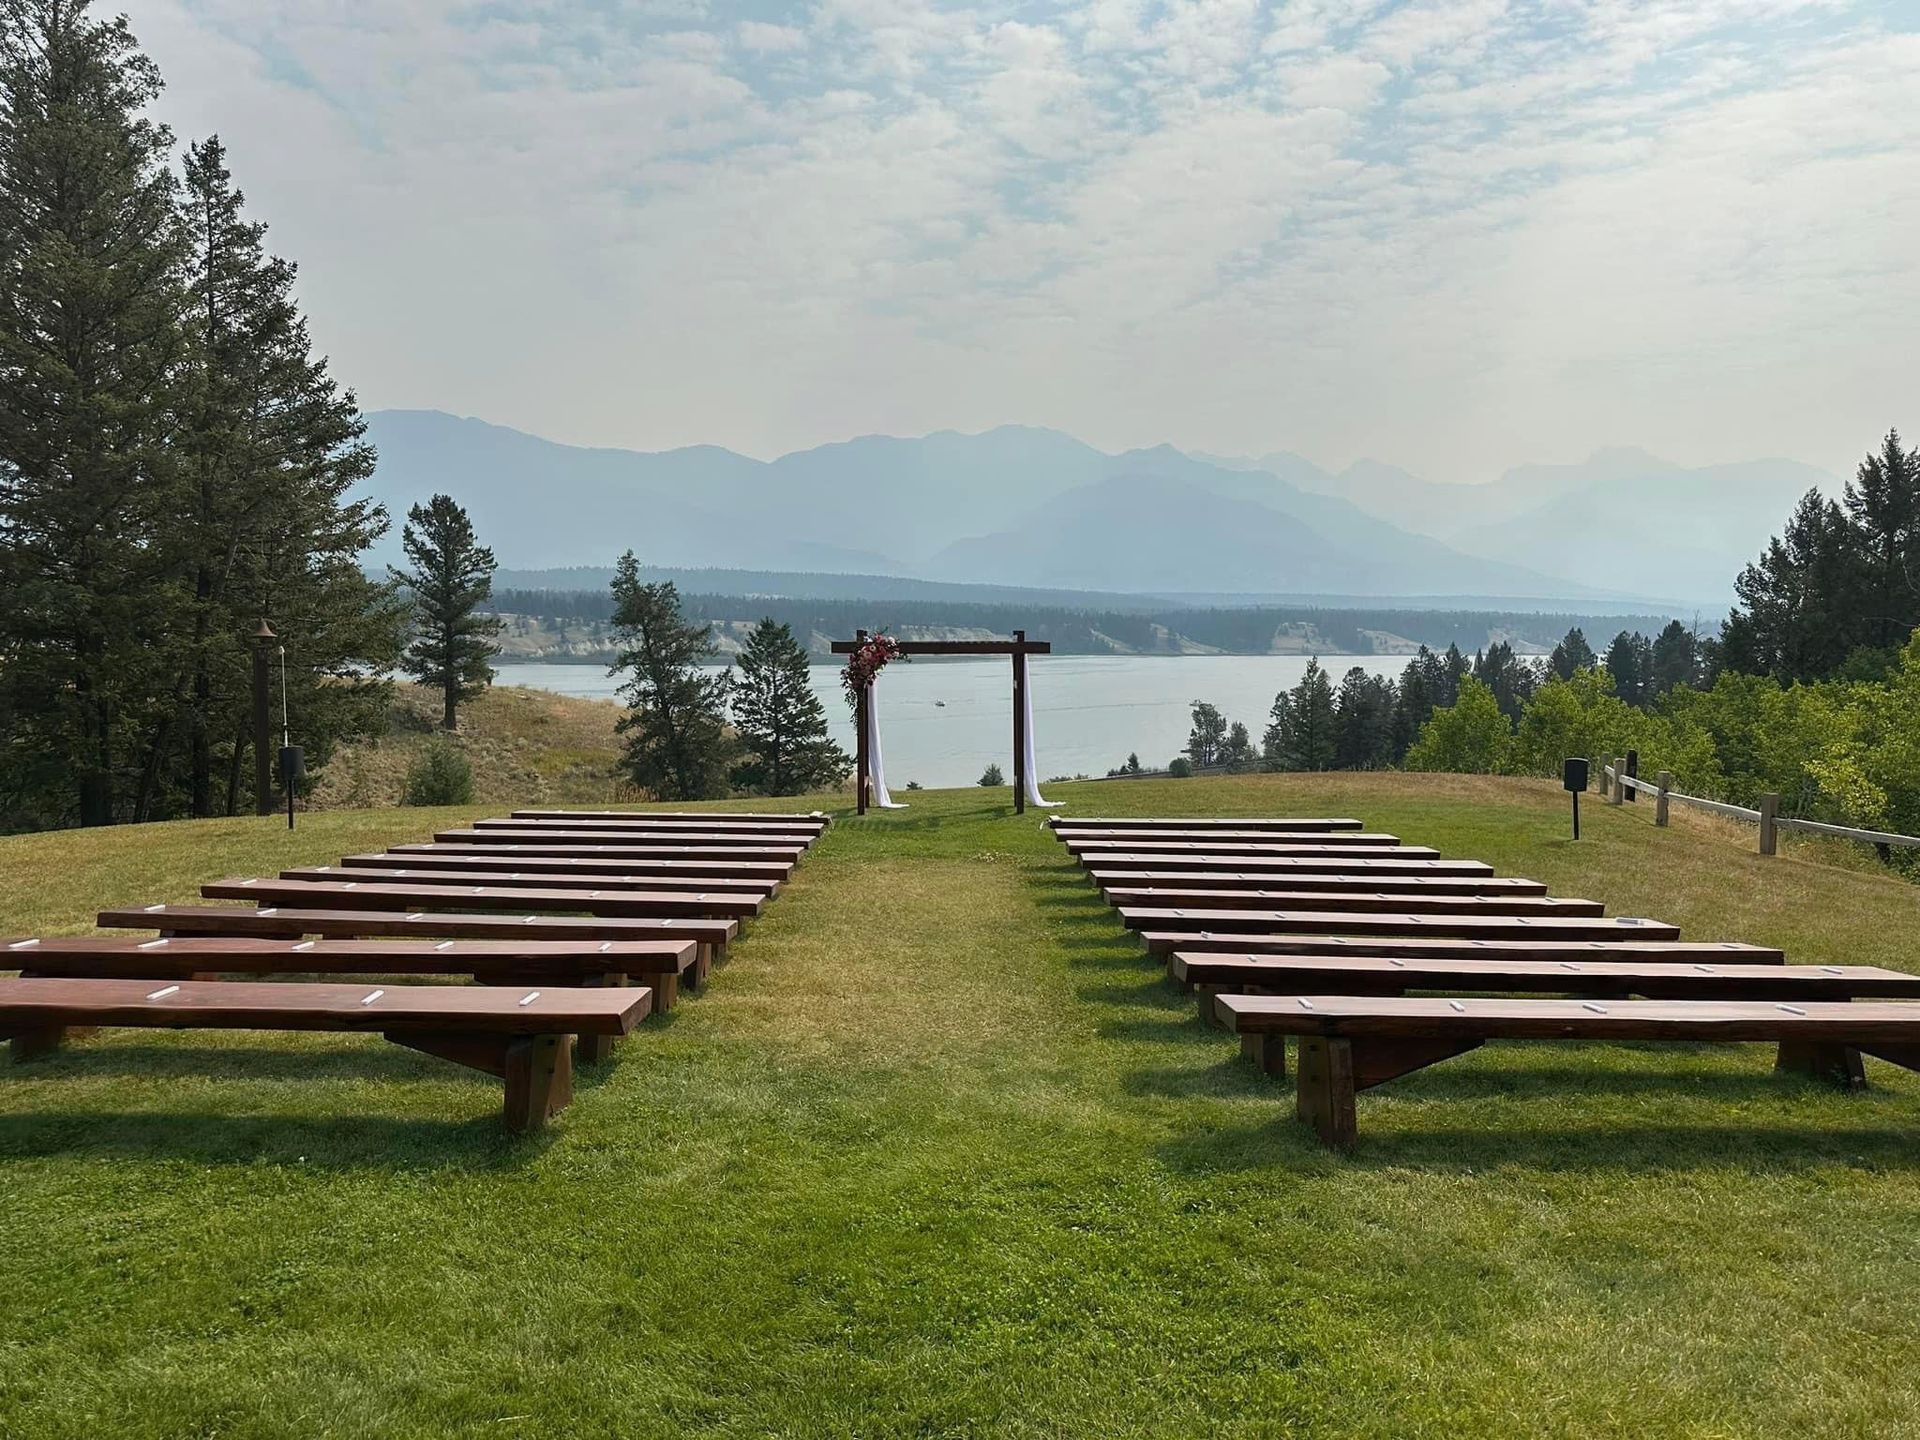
x=939, y=1154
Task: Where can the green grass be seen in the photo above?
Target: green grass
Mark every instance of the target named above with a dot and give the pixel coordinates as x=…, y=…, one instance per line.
x=939, y=1154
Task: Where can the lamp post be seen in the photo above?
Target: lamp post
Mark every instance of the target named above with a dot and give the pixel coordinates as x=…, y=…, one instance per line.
x=263, y=639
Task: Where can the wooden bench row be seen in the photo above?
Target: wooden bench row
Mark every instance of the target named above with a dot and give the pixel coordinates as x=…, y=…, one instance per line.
x=654, y=899
x=1330, y=957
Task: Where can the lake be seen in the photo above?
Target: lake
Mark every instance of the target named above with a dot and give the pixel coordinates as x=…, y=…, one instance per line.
x=943, y=722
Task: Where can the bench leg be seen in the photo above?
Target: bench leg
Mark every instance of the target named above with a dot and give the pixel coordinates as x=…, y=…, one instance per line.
x=597, y=1049
x=1204, y=998
x=539, y=1076
x=32, y=1044
x=538, y=1069
x=1267, y=1052
x=1324, y=1097
x=1838, y=1064
x=666, y=992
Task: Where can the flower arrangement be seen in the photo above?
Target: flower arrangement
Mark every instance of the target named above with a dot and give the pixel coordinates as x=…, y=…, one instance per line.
x=866, y=663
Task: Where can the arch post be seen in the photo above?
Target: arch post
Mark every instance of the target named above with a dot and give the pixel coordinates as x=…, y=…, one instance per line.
x=1020, y=724
x=862, y=760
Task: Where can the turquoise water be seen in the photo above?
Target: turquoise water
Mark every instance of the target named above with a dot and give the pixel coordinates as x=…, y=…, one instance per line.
x=943, y=723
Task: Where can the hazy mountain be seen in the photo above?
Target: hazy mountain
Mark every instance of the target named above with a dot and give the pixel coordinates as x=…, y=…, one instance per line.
x=1014, y=506
x=1693, y=529
x=1169, y=533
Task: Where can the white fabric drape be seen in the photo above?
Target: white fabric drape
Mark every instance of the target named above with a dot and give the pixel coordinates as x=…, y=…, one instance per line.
x=876, y=767
x=1034, y=797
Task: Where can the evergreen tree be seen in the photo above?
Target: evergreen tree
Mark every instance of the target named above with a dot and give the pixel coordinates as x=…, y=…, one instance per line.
x=1510, y=678
x=781, y=723
x=1571, y=654
x=1302, y=733
x=1630, y=663
x=1883, y=502
x=1421, y=685
x=1237, y=753
x=1363, y=722
x=90, y=306
x=1675, y=659
x=675, y=726
x=1208, y=736
x=270, y=451
x=1798, y=612
x=452, y=575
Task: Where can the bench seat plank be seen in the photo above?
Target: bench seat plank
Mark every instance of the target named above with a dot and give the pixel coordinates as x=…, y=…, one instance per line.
x=1334, y=922
x=1163, y=943
x=520, y=880
x=1391, y=902
x=620, y=830
x=814, y=820
x=520, y=1035
x=659, y=963
x=1212, y=975
x=684, y=847
x=293, y=922
x=1191, y=880
x=1365, y=840
x=512, y=857
x=1201, y=861
x=1088, y=851
x=610, y=900
x=1063, y=824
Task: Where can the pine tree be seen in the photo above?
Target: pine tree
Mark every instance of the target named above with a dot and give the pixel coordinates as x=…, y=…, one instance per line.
x=1628, y=663
x=271, y=450
x=1798, y=612
x=1573, y=653
x=1363, y=722
x=1675, y=659
x=675, y=725
x=1510, y=678
x=1208, y=736
x=1883, y=502
x=781, y=723
x=452, y=574
x=1308, y=743
x=1237, y=752
x=90, y=305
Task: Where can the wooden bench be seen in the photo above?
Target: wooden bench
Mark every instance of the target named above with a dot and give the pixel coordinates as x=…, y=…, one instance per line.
x=661, y=965
x=431, y=874
x=814, y=820
x=610, y=901
x=1201, y=862
x=1210, y=975
x=1064, y=823
x=1185, y=881
x=620, y=830
x=520, y=1035
x=1089, y=852
x=1164, y=943
x=1365, y=902
x=1335, y=922
x=561, y=861
x=569, y=842
x=1364, y=840
x=1351, y=1043
x=293, y=923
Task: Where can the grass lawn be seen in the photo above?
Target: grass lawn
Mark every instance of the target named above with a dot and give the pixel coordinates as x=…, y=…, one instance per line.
x=939, y=1154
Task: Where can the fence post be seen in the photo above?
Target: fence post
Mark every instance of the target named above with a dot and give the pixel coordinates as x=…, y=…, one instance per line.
x=1769, y=832
x=1665, y=779
x=1603, y=777
x=1619, y=792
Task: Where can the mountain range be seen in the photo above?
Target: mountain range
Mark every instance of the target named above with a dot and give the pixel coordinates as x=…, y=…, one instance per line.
x=1020, y=506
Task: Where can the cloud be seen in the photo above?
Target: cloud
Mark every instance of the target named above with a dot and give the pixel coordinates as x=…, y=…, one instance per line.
x=1453, y=235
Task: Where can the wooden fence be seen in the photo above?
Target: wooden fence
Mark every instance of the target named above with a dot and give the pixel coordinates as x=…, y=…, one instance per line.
x=1615, y=783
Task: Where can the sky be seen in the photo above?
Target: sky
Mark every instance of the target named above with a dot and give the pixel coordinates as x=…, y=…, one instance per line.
x=1453, y=235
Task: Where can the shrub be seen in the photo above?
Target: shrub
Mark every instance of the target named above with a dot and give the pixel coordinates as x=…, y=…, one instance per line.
x=992, y=776
x=1180, y=767
x=440, y=776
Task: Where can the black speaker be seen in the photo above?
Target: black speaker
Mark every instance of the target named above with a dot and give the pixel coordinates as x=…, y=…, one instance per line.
x=1573, y=775
x=293, y=764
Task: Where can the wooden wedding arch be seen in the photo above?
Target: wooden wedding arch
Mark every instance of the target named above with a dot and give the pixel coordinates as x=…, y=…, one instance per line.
x=1019, y=647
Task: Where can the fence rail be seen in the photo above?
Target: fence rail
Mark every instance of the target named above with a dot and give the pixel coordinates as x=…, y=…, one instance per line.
x=1615, y=783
